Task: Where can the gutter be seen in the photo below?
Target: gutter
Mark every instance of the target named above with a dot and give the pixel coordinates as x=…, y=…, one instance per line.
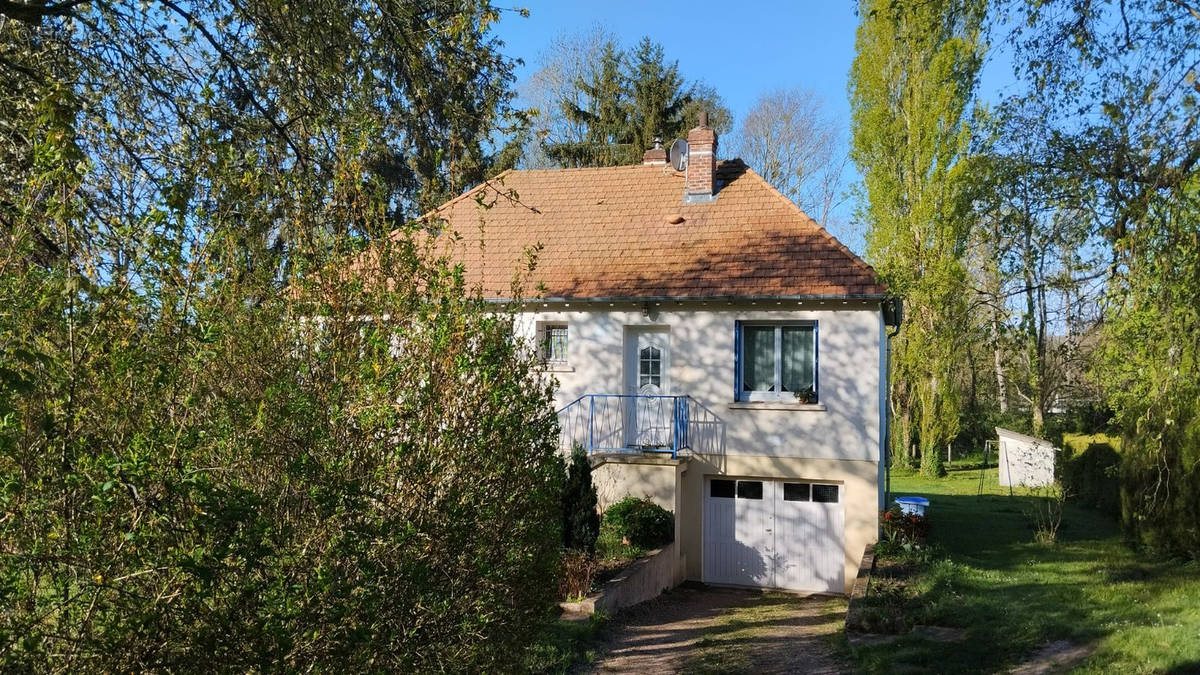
x=696, y=298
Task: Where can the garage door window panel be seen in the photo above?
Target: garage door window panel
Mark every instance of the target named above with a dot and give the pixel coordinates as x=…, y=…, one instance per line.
x=722, y=489
x=749, y=489
x=796, y=492
x=825, y=494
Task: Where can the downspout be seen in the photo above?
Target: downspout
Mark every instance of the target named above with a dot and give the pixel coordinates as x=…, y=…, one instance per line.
x=897, y=310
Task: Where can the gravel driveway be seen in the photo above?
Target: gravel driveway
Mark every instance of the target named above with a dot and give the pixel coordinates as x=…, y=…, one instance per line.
x=722, y=630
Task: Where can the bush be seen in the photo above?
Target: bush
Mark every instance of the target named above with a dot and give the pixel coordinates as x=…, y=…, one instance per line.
x=231, y=485
x=642, y=522
x=581, y=519
x=578, y=570
x=1091, y=478
x=932, y=465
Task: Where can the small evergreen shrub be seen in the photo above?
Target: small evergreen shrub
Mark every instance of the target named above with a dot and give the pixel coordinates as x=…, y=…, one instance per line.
x=642, y=522
x=581, y=519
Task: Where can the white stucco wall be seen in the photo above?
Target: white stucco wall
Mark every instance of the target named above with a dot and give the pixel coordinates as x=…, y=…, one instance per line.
x=846, y=424
x=838, y=440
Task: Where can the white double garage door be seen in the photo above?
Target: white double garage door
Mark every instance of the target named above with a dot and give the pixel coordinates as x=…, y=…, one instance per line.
x=774, y=534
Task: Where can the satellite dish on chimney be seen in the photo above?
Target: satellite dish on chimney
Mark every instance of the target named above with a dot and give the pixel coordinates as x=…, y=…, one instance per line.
x=678, y=154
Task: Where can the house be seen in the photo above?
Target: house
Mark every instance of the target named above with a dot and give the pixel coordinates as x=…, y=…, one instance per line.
x=715, y=350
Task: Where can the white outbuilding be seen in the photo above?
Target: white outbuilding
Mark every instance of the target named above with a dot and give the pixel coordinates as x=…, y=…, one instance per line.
x=1025, y=461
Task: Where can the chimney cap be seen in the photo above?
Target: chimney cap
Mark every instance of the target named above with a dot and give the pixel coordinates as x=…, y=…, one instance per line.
x=703, y=118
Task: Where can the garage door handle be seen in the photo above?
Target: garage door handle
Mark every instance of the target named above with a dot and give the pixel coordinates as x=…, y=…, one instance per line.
x=766, y=530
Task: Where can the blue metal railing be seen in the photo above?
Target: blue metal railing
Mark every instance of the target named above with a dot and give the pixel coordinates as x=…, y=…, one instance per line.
x=629, y=423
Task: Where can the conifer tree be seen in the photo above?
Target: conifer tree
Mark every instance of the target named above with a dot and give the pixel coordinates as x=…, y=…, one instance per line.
x=658, y=96
x=605, y=115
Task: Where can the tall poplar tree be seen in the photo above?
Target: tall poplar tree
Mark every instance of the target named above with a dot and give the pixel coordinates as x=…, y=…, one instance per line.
x=911, y=86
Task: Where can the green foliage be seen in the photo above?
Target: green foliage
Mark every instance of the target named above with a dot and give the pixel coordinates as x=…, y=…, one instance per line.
x=1114, y=89
x=580, y=512
x=1091, y=478
x=1149, y=365
x=641, y=521
x=564, y=644
x=932, y=465
x=612, y=544
x=903, y=528
x=625, y=101
x=217, y=446
x=913, y=78
x=1013, y=596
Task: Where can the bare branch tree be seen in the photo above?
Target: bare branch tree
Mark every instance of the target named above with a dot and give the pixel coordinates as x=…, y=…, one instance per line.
x=566, y=60
x=791, y=140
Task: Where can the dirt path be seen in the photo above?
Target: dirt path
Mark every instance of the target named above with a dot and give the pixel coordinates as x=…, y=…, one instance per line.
x=719, y=630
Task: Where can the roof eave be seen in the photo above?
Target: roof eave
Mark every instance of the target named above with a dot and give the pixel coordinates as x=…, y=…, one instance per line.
x=810, y=297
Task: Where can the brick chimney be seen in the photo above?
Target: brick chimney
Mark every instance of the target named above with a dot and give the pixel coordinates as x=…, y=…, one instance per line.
x=702, y=163
x=655, y=156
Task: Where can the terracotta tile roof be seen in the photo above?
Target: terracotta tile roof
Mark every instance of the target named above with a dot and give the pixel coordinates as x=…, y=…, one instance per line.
x=608, y=233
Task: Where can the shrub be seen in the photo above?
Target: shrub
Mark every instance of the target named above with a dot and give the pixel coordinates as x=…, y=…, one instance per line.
x=578, y=570
x=932, y=465
x=232, y=485
x=1092, y=478
x=642, y=522
x=581, y=519
x=1045, y=511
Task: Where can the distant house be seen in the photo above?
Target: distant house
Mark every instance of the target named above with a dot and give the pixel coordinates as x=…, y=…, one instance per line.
x=715, y=350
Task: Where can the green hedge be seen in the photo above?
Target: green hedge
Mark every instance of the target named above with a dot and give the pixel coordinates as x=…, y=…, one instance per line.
x=1092, y=479
x=642, y=522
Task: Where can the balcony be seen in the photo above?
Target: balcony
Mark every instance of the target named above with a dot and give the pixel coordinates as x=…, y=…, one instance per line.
x=627, y=423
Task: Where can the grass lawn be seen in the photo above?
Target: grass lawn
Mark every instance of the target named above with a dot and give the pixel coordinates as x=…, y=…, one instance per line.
x=564, y=644
x=1013, y=596
x=1080, y=442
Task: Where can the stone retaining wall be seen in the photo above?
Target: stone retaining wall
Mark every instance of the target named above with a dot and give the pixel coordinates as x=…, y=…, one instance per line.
x=645, y=579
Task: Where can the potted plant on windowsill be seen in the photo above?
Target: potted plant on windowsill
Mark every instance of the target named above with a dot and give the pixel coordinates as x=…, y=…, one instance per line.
x=807, y=396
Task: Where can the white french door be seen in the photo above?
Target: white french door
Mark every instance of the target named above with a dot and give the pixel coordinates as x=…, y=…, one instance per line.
x=649, y=417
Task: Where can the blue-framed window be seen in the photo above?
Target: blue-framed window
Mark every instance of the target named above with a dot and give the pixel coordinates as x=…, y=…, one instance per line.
x=776, y=361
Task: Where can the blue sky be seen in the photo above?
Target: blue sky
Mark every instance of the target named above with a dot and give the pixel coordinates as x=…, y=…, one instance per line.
x=742, y=53
x=742, y=49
